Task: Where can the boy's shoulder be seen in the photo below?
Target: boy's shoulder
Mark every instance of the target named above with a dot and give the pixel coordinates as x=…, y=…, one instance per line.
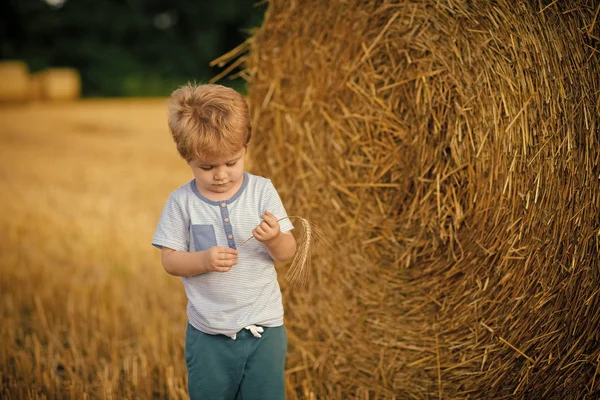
x=257, y=179
x=182, y=191
x=257, y=183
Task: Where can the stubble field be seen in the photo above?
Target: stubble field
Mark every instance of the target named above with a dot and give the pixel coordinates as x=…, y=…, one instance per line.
x=86, y=308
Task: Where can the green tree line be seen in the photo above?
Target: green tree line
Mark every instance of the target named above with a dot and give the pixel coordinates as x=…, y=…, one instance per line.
x=127, y=47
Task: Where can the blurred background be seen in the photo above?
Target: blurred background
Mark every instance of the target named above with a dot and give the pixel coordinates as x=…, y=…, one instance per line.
x=87, y=310
x=129, y=48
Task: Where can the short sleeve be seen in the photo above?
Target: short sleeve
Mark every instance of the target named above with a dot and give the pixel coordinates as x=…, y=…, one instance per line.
x=272, y=203
x=173, y=227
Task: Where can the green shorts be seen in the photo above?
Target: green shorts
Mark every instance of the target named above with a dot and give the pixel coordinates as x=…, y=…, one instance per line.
x=220, y=368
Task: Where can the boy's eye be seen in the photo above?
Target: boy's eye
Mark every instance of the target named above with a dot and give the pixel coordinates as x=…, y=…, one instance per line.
x=231, y=164
x=206, y=168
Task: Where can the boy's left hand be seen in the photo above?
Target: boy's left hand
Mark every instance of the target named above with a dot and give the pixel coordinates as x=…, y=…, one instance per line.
x=268, y=229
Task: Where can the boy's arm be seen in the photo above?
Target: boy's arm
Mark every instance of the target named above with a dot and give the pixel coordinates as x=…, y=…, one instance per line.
x=186, y=264
x=281, y=246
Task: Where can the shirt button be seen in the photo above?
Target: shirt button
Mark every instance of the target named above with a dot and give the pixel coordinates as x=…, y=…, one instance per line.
x=230, y=236
x=223, y=205
x=226, y=220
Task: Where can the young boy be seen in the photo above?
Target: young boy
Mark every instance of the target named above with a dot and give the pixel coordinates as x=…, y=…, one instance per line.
x=235, y=344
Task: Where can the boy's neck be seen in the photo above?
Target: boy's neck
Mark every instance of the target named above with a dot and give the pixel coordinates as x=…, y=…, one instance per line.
x=221, y=196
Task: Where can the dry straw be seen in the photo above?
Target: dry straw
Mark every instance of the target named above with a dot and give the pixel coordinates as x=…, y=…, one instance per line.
x=449, y=149
x=59, y=84
x=299, y=271
x=14, y=81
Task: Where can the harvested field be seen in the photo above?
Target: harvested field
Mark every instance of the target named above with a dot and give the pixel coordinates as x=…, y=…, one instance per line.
x=86, y=309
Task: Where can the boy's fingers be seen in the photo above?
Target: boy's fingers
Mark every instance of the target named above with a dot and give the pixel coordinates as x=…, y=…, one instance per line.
x=272, y=216
x=226, y=263
x=269, y=219
x=227, y=250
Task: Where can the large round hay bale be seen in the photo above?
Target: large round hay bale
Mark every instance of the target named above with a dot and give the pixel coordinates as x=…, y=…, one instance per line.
x=450, y=149
x=14, y=81
x=60, y=84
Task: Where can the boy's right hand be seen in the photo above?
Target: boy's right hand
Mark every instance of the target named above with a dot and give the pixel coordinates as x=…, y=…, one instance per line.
x=219, y=258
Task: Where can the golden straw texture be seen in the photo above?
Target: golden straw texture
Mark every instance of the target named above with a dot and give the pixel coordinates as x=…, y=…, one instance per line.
x=449, y=149
x=298, y=273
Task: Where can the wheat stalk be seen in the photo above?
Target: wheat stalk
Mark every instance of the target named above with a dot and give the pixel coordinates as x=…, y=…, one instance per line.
x=299, y=271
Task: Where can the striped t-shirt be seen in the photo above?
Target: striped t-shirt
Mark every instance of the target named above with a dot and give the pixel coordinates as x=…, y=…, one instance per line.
x=247, y=294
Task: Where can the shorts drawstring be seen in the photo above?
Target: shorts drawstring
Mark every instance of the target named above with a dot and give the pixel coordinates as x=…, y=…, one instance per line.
x=256, y=331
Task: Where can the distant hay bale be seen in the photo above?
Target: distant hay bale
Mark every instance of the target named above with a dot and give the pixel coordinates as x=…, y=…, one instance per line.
x=450, y=150
x=36, y=90
x=14, y=81
x=60, y=84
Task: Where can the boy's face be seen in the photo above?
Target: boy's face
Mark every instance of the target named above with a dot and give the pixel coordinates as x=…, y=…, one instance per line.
x=219, y=179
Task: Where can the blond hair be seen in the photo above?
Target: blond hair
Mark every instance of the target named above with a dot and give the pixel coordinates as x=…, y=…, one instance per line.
x=208, y=121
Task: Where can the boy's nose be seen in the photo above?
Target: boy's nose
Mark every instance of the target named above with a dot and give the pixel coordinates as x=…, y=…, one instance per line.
x=220, y=175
